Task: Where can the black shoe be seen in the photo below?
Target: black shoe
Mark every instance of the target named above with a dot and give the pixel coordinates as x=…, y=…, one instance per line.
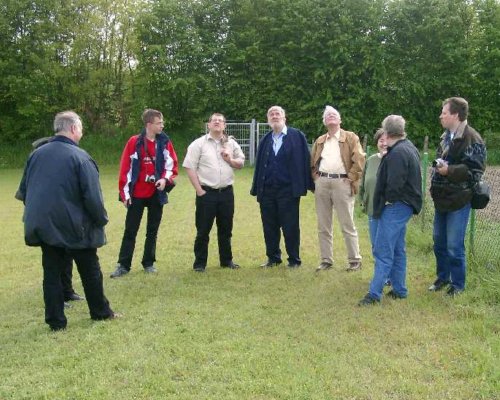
x=438, y=285
x=199, y=269
x=368, y=301
x=293, y=265
x=231, y=265
x=453, y=291
x=270, y=264
x=150, y=270
x=393, y=295
x=74, y=297
x=120, y=271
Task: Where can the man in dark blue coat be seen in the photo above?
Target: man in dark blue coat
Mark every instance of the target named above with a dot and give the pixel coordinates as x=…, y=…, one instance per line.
x=65, y=215
x=282, y=175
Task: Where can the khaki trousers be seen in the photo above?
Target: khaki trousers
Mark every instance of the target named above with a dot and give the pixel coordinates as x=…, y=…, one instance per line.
x=335, y=194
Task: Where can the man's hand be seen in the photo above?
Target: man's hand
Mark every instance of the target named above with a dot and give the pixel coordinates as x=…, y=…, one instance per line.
x=226, y=155
x=127, y=203
x=443, y=169
x=160, y=184
x=201, y=192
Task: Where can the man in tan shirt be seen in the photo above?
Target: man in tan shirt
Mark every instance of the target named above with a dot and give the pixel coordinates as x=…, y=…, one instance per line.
x=337, y=165
x=209, y=163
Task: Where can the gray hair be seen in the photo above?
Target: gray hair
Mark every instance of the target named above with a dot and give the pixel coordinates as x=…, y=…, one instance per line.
x=328, y=110
x=394, y=126
x=65, y=120
x=280, y=109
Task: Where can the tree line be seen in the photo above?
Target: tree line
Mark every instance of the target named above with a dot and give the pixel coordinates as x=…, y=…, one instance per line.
x=108, y=60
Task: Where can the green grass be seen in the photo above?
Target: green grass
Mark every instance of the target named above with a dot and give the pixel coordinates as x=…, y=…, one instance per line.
x=245, y=334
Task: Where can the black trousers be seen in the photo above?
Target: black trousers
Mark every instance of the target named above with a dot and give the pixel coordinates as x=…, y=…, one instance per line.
x=132, y=224
x=219, y=206
x=67, y=277
x=54, y=260
x=280, y=211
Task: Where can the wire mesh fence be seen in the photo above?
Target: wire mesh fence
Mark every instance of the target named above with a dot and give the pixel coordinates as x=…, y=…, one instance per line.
x=483, y=231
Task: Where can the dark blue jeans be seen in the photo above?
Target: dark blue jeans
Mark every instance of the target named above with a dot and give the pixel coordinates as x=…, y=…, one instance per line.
x=390, y=250
x=132, y=224
x=449, y=245
x=280, y=211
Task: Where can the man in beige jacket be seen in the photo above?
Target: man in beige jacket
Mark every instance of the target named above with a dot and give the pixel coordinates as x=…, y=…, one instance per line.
x=337, y=162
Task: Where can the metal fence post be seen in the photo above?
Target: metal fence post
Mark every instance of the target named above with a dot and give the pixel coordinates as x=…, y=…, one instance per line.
x=425, y=167
x=251, y=152
x=472, y=230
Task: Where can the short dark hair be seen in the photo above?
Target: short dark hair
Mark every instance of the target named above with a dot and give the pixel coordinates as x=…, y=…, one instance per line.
x=149, y=115
x=217, y=115
x=377, y=134
x=458, y=105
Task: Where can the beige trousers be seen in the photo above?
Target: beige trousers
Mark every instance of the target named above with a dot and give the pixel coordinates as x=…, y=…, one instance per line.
x=335, y=194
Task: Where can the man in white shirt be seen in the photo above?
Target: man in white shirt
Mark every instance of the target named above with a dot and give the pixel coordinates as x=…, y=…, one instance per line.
x=209, y=163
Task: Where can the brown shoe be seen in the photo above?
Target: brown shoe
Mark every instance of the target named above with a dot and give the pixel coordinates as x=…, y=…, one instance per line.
x=354, y=266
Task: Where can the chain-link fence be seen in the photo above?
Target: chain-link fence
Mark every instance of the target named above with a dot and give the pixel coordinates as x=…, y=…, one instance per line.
x=483, y=231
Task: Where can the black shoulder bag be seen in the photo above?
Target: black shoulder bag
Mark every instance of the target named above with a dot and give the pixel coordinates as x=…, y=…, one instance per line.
x=480, y=195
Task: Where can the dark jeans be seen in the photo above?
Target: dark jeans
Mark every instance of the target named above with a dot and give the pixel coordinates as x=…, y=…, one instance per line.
x=279, y=210
x=132, y=223
x=449, y=245
x=54, y=260
x=219, y=206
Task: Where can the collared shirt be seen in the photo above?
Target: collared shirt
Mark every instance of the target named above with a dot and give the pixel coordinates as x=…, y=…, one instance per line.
x=278, y=140
x=204, y=157
x=331, y=160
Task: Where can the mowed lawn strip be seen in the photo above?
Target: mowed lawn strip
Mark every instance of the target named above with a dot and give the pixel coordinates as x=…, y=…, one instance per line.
x=240, y=334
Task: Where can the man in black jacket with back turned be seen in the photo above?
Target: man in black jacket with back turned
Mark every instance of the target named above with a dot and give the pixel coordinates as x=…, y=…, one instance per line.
x=64, y=214
x=398, y=195
x=67, y=272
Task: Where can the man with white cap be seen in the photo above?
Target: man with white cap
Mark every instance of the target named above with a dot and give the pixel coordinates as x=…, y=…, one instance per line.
x=337, y=163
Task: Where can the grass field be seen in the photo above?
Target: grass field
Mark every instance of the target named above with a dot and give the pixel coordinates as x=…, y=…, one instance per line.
x=244, y=334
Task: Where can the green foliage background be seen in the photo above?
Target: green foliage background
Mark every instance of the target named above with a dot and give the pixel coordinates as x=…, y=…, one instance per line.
x=188, y=58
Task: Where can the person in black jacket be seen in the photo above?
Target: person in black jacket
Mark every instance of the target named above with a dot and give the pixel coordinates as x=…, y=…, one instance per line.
x=67, y=272
x=461, y=158
x=64, y=214
x=398, y=195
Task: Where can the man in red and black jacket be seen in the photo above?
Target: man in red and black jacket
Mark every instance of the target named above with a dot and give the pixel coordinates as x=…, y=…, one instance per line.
x=147, y=170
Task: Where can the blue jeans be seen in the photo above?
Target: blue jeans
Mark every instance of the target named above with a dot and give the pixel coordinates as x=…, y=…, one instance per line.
x=390, y=250
x=449, y=246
